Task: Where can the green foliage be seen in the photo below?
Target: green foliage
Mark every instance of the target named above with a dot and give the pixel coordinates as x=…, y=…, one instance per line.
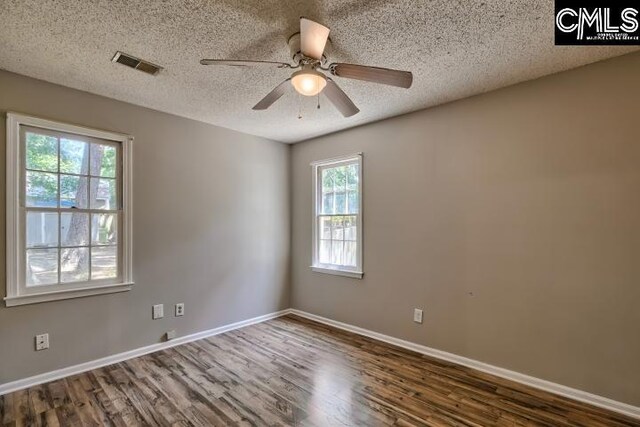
x=42, y=155
x=108, y=164
x=74, y=166
x=340, y=189
x=340, y=177
x=42, y=188
x=42, y=152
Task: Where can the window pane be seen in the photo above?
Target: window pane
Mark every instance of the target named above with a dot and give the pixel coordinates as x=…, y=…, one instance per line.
x=325, y=252
x=74, y=263
x=350, y=228
x=337, y=225
x=352, y=177
x=327, y=203
x=103, y=160
x=340, y=178
x=74, y=229
x=74, y=156
x=338, y=205
x=42, y=189
x=42, y=152
x=350, y=254
x=103, y=193
x=42, y=267
x=73, y=191
x=104, y=229
x=103, y=262
x=336, y=252
x=341, y=203
x=325, y=227
x=353, y=202
x=42, y=229
x=328, y=176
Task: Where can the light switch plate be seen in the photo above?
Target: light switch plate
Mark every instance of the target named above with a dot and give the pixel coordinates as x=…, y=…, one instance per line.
x=158, y=311
x=417, y=315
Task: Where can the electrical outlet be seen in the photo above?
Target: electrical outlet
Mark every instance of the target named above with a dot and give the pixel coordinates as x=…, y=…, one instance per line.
x=158, y=311
x=42, y=342
x=180, y=309
x=417, y=315
x=170, y=334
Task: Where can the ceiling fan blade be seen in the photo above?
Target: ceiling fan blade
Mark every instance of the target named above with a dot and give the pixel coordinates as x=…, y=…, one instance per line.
x=313, y=37
x=385, y=76
x=272, y=96
x=340, y=99
x=244, y=63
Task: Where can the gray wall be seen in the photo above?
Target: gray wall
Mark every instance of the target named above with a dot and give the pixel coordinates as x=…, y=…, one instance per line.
x=511, y=218
x=211, y=229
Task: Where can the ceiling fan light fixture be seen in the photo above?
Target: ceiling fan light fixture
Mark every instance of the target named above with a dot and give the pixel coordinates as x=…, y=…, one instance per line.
x=308, y=82
x=308, y=53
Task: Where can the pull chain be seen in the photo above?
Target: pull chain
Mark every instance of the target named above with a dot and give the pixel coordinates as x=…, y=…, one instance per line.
x=299, y=107
x=318, y=85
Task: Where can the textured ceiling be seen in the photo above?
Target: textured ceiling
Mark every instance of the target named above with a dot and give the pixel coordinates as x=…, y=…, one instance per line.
x=454, y=48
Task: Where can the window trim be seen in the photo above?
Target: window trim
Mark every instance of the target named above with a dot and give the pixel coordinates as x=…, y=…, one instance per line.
x=355, y=272
x=17, y=294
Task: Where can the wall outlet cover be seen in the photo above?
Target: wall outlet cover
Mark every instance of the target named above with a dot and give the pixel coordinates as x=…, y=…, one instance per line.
x=170, y=334
x=42, y=342
x=180, y=309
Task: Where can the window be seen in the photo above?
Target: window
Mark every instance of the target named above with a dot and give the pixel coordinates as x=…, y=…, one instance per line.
x=337, y=232
x=68, y=211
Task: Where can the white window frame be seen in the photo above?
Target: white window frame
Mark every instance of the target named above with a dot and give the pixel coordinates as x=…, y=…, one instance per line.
x=317, y=167
x=17, y=292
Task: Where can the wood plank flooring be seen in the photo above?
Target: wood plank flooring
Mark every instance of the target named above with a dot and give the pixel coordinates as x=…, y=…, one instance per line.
x=292, y=372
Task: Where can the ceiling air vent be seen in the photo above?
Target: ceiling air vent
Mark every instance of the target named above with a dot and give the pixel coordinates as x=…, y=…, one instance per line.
x=138, y=64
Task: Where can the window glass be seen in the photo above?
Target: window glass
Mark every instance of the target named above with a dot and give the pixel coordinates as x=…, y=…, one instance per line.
x=74, y=156
x=337, y=235
x=68, y=185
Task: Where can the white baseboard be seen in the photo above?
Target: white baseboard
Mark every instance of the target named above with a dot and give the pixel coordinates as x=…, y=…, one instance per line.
x=571, y=393
x=87, y=366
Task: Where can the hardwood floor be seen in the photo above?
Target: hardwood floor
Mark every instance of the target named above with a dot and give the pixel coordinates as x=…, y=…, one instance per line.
x=291, y=371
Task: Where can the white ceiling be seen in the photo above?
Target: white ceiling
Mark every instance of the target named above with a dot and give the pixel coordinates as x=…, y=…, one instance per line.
x=454, y=48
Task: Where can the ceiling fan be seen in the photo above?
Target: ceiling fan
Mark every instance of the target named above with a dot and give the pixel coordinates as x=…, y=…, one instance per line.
x=308, y=48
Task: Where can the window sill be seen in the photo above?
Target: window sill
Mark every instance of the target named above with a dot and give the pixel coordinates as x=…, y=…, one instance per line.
x=66, y=294
x=336, y=272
